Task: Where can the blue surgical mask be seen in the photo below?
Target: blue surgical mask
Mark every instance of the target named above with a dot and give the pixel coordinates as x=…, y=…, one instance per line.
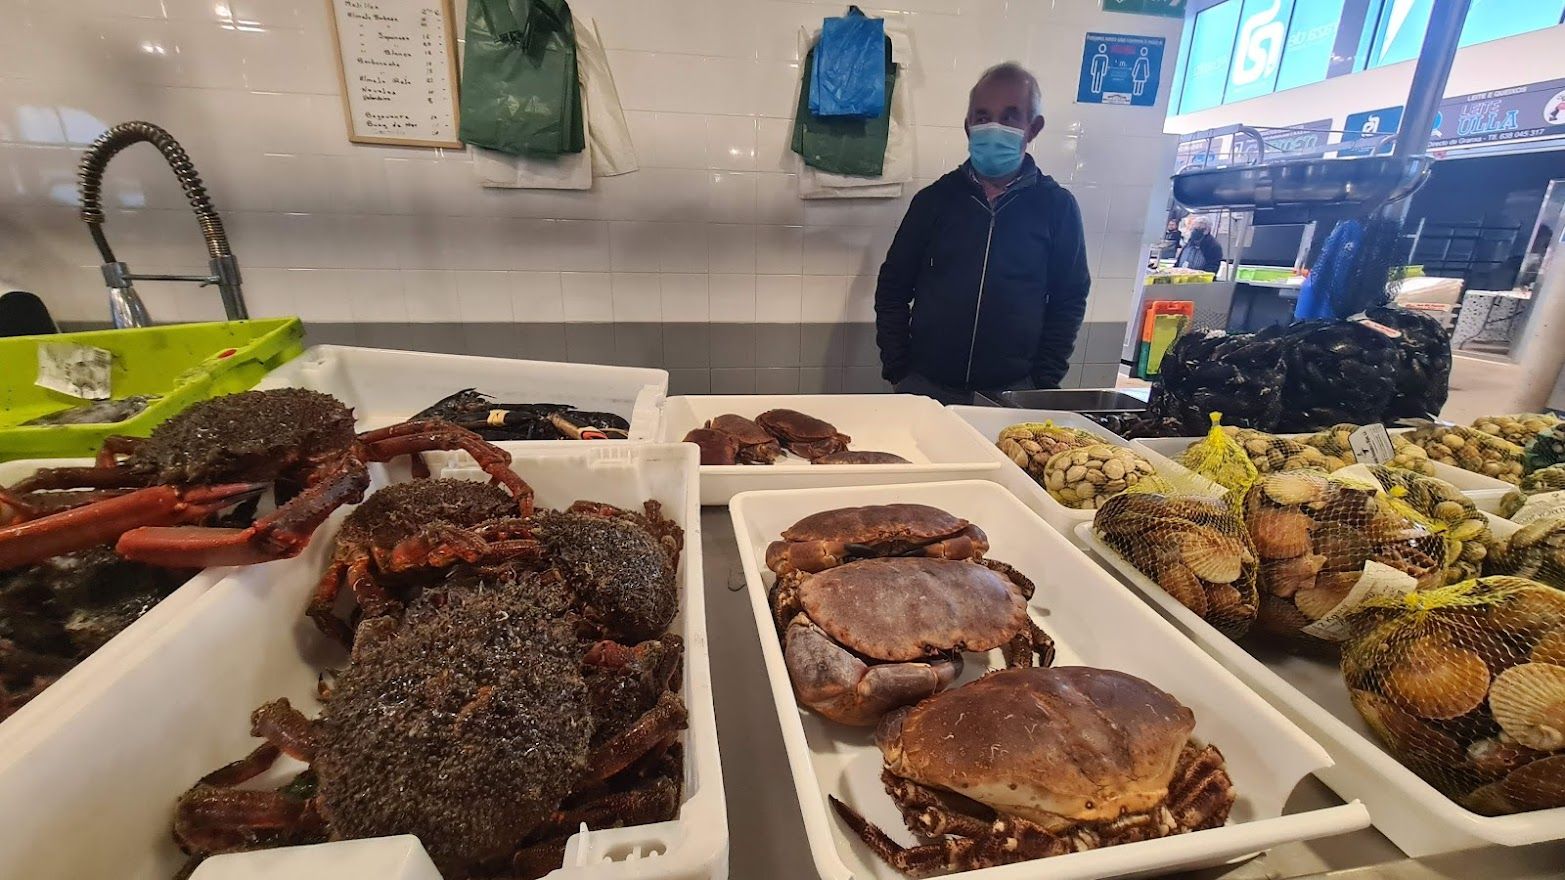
x=996, y=150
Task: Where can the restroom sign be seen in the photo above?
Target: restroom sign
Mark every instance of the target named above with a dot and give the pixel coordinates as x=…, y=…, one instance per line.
x=1120, y=69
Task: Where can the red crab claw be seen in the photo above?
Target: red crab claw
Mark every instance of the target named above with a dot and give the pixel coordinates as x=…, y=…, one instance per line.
x=82, y=527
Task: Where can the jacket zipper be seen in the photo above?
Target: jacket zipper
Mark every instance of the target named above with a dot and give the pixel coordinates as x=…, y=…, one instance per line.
x=983, y=277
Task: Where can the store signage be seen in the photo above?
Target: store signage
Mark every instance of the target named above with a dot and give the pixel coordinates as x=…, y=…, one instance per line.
x=1263, y=29
x=1221, y=146
x=1514, y=114
x=1368, y=124
x=1120, y=69
x=1163, y=8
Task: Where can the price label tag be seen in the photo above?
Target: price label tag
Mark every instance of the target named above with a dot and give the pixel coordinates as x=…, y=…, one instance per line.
x=1372, y=445
x=78, y=370
x=1546, y=505
x=1378, y=580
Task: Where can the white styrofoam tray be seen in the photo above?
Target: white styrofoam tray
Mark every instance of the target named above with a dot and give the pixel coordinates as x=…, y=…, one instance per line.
x=90, y=792
x=988, y=421
x=77, y=684
x=1417, y=818
x=385, y=387
x=1094, y=622
x=916, y=428
x=1484, y=492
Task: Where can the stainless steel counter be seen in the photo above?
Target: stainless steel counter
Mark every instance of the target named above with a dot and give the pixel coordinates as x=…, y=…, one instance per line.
x=766, y=835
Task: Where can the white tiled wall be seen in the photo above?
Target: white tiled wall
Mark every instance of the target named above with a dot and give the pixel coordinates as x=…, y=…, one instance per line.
x=709, y=230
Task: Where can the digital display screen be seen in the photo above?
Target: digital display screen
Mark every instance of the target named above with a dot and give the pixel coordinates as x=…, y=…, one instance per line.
x=1311, y=36
x=1492, y=19
x=1211, y=49
x=1263, y=31
x=1399, y=34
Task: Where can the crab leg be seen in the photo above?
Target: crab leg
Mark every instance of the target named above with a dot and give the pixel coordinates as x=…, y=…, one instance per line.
x=209, y=820
x=622, y=750
x=429, y=435
x=112, y=476
x=279, y=535
x=243, y=770
x=40, y=504
x=325, y=600
x=116, y=445
x=285, y=727
x=914, y=861
x=836, y=683
x=82, y=527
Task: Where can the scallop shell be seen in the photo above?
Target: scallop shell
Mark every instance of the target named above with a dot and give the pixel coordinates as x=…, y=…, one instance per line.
x=1489, y=800
x=1281, y=534
x=1410, y=739
x=1180, y=582
x=1550, y=647
x=1436, y=679
x=1531, y=611
x=1291, y=488
x=1328, y=593
x=1280, y=616
x=1492, y=758
x=1215, y=558
x=1528, y=701
x=1537, y=786
x=1285, y=577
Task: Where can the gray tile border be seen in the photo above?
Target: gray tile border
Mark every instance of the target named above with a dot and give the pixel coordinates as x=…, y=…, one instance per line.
x=589, y=343
x=820, y=380
x=862, y=351
x=1072, y=377
x=541, y=342
x=492, y=340
x=864, y=380
x=733, y=345
x=777, y=345
x=687, y=346
x=777, y=380
x=733, y=380
x=690, y=381
x=638, y=345
x=823, y=345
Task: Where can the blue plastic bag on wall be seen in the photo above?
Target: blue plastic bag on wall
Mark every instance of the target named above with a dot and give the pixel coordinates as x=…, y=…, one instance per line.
x=850, y=67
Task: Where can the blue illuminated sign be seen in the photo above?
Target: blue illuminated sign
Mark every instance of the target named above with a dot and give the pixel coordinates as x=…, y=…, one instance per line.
x=1311, y=36
x=1211, y=48
x=1399, y=34
x=1493, y=19
x=1263, y=31
x=1120, y=69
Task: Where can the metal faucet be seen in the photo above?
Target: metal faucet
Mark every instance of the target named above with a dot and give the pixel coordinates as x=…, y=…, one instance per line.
x=125, y=306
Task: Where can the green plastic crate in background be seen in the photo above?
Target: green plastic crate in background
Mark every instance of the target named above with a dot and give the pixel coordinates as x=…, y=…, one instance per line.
x=181, y=363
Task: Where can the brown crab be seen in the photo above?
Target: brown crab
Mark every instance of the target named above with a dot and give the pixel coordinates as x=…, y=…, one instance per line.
x=860, y=456
x=803, y=435
x=216, y=454
x=869, y=636
x=832, y=537
x=470, y=724
x=1028, y=763
x=734, y=439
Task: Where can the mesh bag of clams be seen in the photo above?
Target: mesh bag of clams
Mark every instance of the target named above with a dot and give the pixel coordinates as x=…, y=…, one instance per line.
x=1086, y=477
x=1535, y=551
x=1519, y=429
x=1468, y=539
x=1545, y=450
x=1221, y=456
x=1336, y=443
x=1268, y=453
x=1465, y=685
x=1539, y=482
x=1471, y=449
x=1032, y=444
x=1324, y=542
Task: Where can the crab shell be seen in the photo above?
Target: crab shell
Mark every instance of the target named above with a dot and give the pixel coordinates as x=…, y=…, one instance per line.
x=717, y=447
x=755, y=445
x=1054, y=745
x=821, y=540
x=803, y=434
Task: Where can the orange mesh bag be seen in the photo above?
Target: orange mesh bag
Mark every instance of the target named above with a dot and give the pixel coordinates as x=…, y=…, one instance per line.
x=1465, y=685
x=1319, y=536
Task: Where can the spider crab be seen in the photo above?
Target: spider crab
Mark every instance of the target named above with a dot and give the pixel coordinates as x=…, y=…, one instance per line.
x=869, y=636
x=832, y=537
x=1027, y=763
x=212, y=456
x=478, y=725
x=613, y=568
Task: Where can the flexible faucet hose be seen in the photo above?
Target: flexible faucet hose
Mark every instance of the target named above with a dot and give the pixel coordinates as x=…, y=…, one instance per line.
x=90, y=183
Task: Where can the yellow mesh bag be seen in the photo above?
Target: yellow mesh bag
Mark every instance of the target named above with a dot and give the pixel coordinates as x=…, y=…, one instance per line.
x=1337, y=445
x=1465, y=685
x=1269, y=453
x=1315, y=534
x=1194, y=547
x=1087, y=476
x=1549, y=479
x=1032, y=444
x=1219, y=457
x=1443, y=508
x=1520, y=429
x=1471, y=449
x=1536, y=551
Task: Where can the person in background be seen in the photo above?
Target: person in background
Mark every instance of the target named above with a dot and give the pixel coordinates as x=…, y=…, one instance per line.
x=985, y=285
x=1202, y=252
x=1172, y=239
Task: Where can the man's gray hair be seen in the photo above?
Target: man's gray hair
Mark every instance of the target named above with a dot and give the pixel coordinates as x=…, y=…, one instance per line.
x=1012, y=72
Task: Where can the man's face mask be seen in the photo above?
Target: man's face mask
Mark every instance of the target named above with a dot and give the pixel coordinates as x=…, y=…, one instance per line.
x=996, y=150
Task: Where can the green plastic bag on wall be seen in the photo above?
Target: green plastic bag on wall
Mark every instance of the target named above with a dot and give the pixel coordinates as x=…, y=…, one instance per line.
x=839, y=144
x=520, y=92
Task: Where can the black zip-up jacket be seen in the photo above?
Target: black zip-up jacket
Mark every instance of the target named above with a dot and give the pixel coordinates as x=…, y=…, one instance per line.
x=976, y=296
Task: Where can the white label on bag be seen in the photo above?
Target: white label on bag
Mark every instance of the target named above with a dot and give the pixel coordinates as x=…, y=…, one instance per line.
x=78, y=370
x=1378, y=580
x=1372, y=445
x=1545, y=505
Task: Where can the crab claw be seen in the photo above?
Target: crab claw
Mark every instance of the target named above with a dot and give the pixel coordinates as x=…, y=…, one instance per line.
x=78, y=528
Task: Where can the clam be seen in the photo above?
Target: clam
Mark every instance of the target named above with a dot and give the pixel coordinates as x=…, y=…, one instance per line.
x=1436, y=679
x=1281, y=534
x=1537, y=786
x=1528, y=701
x=1292, y=487
x=1211, y=556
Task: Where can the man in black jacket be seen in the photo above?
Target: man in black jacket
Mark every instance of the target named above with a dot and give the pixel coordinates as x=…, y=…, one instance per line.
x=1202, y=253
x=986, y=282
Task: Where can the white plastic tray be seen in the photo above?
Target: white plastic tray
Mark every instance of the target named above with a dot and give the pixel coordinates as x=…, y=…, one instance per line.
x=988, y=421
x=1484, y=492
x=385, y=387
x=1409, y=811
x=1094, y=622
x=916, y=428
x=90, y=792
x=74, y=685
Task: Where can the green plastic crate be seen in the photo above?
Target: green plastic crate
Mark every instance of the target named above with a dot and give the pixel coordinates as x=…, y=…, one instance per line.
x=181, y=363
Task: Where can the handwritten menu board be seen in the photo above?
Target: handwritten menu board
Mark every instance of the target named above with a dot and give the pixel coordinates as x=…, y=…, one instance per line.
x=397, y=61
